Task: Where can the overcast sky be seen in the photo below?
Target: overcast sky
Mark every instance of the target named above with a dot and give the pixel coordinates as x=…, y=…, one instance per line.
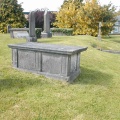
x=53, y=5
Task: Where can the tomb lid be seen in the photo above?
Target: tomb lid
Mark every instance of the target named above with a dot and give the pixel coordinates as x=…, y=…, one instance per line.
x=51, y=48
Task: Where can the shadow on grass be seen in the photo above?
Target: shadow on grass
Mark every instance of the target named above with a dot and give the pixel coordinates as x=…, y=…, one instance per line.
x=89, y=76
x=20, y=83
x=112, y=38
x=117, y=41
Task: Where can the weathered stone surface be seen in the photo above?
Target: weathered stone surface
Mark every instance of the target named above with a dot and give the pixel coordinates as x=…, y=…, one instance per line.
x=46, y=33
x=49, y=66
x=26, y=59
x=19, y=32
x=55, y=61
x=32, y=36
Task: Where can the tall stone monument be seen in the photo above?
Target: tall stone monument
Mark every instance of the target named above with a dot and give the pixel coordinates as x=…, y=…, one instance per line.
x=46, y=33
x=99, y=32
x=32, y=35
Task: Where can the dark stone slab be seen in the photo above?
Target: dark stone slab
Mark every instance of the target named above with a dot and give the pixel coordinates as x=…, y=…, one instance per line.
x=55, y=61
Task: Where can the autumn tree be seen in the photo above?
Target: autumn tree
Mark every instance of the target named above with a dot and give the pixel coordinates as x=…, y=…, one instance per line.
x=67, y=16
x=11, y=13
x=95, y=13
x=84, y=18
x=77, y=3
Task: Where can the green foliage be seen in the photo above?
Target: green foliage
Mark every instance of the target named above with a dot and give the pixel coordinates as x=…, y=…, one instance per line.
x=11, y=13
x=66, y=31
x=85, y=18
x=66, y=17
x=108, y=17
x=38, y=32
x=76, y=2
x=0, y=2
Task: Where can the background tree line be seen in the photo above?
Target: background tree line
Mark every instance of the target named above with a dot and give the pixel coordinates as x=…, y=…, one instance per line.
x=82, y=17
x=11, y=13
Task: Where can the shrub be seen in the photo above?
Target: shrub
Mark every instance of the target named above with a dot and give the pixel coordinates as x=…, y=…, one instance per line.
x=38, y=32
x=64, y=31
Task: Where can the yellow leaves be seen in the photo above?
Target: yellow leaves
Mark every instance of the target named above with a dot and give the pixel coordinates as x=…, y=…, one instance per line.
x=83, y=20
x=66, y=16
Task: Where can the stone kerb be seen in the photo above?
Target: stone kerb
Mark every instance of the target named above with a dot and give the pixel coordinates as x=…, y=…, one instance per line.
x=19, y=32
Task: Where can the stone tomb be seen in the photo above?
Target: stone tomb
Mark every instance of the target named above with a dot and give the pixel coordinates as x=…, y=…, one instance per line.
x=19, y=32
x=55, y=61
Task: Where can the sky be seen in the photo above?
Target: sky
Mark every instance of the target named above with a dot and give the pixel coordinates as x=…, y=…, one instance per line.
x=54, y=5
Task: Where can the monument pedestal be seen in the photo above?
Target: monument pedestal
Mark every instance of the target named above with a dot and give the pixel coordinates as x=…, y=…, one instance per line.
x=31, y=39
x=46, y=35
x=54, y=61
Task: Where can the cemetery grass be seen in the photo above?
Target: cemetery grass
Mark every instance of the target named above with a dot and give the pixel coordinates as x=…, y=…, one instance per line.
x=94, y=95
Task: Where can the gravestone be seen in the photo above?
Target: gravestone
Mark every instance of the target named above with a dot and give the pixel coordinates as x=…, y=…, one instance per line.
x=32, y=35
x=46, y=33
x=99, y=31
x=19, y=32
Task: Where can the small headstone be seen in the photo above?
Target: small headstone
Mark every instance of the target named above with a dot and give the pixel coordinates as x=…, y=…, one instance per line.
x=32, y=36
x=8, y=28
x=46, y=33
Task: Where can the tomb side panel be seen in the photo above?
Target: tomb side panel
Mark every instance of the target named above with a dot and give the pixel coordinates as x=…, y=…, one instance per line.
x=38, y=61
x=51, y=63
x=27, y=59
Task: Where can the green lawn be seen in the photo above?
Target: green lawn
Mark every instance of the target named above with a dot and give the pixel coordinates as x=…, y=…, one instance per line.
x=94, y=95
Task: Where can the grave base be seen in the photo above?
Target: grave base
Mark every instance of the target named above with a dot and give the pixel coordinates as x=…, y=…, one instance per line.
x=31, y=39
x=46, y=35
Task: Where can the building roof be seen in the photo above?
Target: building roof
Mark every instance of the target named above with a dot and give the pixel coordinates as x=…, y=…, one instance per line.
x=26, y=12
